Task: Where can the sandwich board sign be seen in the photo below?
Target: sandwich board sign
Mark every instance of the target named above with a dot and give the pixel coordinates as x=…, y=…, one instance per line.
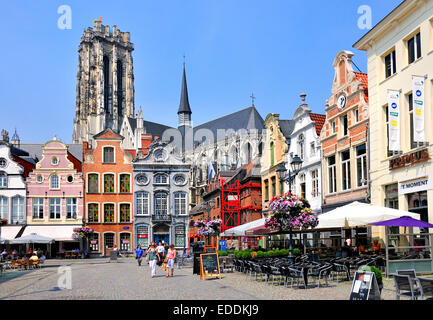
x=364, y=286
x=209, y=266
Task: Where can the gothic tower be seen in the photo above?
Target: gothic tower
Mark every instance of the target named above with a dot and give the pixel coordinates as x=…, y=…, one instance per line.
x=105, y=82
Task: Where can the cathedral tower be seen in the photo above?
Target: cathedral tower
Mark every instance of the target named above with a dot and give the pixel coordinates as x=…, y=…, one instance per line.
x=105, y=82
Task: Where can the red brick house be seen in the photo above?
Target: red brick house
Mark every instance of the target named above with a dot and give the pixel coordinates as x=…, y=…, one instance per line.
x=107, y=170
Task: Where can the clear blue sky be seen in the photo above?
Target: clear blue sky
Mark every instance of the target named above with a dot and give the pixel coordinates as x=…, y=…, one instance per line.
x=276, y=49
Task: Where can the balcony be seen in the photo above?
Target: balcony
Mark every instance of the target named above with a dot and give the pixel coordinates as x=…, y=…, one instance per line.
x=161, y=218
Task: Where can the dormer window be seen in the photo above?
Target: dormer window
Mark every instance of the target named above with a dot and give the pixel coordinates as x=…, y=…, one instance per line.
x=3, y=163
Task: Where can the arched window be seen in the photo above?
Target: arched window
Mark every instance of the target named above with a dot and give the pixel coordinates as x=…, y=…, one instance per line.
x=92, y=182
x=3, y=180
x=54, y=182
x=142, y=233
x=125, y=212
x=93, y=212
x=94, y=241
x=161, y=203
x=125, y=241
x=272, y=153
x=109, y=212
x=125, y=183
x=108, y=182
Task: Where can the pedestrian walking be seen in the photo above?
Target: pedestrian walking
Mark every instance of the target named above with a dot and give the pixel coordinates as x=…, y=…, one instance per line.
x=153, y=258
x=160, y=250
x=169, y=259
x=139, y=254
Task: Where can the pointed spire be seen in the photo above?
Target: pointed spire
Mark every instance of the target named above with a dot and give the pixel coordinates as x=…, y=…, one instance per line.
x=184, y=102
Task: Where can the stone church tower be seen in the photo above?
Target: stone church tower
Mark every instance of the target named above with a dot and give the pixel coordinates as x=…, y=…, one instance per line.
x=105, y=82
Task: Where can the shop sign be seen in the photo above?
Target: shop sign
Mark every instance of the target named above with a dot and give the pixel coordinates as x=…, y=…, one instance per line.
x=142, y=236
x=412, y=186
x=409, y=159
x=93, y=242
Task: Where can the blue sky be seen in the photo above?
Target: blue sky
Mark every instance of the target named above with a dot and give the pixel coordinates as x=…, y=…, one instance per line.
x=275, y=49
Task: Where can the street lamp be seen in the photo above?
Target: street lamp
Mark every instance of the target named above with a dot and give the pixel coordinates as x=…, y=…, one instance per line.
x=296, y=165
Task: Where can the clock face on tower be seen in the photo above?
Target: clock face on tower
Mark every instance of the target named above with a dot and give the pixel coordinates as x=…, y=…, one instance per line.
x=341, y=102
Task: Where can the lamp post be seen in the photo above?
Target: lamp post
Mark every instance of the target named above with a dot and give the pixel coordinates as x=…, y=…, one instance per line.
x=209, y=206
x=295, y=165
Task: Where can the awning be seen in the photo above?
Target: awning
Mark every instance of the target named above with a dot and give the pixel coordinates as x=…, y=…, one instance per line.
x=9, y=232
x=58, y=233
x=240, y=230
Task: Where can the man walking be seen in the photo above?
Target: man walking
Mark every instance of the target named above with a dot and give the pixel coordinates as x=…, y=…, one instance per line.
x=139, y=254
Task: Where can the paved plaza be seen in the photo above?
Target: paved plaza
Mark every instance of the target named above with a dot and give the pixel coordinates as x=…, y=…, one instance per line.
x=97, y=279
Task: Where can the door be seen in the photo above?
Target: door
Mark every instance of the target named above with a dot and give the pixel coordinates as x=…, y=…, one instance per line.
x=163, y=238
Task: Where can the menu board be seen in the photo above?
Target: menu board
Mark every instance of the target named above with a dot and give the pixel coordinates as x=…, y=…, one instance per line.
x=209, y=266
x=364, y=286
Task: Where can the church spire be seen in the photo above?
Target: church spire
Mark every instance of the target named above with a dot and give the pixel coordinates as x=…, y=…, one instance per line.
x=184, y=111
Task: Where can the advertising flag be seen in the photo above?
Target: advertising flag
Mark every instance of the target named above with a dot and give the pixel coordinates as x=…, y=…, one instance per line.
x=418, y=108
x=394, y=120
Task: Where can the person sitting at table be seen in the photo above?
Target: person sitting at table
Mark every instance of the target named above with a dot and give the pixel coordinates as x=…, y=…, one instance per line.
x=4, y=253
x=30, y=251
x=376, y=246
x=34, y=257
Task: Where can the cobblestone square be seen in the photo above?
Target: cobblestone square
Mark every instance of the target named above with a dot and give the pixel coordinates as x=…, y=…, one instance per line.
x=98, y=279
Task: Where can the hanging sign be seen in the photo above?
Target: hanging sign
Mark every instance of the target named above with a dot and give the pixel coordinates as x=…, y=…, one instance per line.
x=418, y=108
x=394, y=120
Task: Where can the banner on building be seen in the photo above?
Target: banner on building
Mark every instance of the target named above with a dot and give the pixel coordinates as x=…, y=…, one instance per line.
x=418, y=108
x=394, y=120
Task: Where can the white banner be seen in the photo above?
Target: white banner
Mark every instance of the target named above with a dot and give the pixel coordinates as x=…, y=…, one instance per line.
x=417, y=185
x=418, y=108
x=394, y=120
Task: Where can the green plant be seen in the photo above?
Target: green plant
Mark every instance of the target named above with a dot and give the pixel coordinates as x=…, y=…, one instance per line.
x=296, y=251
x=376, y=271
x=223, y=253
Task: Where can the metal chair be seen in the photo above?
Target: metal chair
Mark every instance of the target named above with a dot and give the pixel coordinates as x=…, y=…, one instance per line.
x=425, y=286
x=404, y=286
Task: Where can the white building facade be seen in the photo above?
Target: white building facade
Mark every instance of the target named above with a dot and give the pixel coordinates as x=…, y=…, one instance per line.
x=305, y=143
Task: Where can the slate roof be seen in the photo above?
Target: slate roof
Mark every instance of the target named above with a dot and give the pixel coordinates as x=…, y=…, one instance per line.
x=35, y=150
x=184, y=101
x=319, y=119
x=248, y=118
x=153, y=128
x=286, y=127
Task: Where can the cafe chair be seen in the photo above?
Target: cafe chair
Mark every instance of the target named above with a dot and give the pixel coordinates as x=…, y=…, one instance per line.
x=404, y=286
x=67, y=255
x=425, y=286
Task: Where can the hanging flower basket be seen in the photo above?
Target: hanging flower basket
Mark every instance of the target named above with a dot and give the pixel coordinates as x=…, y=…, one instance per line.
x=3, y=222
x=82, y=232
x=290, y=212
x=208, y=227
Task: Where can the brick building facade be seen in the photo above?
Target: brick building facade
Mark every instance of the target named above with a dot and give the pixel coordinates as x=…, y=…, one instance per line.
x=107, y=170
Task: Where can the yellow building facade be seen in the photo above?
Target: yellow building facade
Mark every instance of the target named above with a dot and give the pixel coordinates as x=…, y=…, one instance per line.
x=399, y=49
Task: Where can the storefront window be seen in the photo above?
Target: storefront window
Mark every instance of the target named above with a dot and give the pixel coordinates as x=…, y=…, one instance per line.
x=417, y=203
x=125, y=242
x=143, y=236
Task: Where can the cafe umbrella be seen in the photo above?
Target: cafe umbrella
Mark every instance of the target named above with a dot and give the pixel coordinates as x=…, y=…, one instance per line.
x=32, y=238
x=404, y=221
